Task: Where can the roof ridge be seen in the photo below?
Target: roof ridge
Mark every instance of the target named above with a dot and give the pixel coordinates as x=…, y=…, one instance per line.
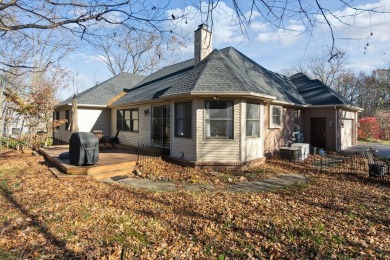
x=333, y=92
x=204, y=63
x=104, y=82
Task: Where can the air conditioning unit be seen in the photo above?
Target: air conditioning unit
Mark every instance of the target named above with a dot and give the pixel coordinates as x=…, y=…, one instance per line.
x=303, y=149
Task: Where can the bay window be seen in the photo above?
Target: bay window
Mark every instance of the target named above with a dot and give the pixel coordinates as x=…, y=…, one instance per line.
x=183, y=119
x=252, y=119
x=219, y=119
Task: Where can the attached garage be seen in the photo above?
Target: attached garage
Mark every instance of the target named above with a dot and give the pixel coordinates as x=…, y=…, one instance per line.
x=346, y=133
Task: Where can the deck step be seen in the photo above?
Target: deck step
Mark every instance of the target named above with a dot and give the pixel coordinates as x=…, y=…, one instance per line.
x=104, y=174
x=60, y=175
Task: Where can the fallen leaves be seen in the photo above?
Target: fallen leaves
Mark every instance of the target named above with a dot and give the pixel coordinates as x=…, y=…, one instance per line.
x=330, y=217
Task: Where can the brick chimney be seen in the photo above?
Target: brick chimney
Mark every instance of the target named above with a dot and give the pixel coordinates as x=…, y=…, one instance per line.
x=202, y=43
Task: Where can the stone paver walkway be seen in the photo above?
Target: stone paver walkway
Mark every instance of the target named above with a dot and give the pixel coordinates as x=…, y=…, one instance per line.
x=272, y=184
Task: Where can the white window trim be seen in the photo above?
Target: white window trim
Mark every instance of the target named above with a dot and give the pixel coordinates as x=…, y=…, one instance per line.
x=205, y=137
x=246, y=121
x=271, y=124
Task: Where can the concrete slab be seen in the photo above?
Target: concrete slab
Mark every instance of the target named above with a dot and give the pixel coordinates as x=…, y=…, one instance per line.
x=381, y=149
x=271, y=184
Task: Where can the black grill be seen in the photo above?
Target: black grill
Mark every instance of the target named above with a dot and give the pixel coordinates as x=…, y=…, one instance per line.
x=83, y=149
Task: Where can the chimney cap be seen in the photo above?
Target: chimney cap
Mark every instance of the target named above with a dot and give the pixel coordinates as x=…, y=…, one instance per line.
x=203, y=26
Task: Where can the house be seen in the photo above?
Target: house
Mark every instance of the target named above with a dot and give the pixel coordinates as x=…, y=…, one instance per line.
x=223, y=109
x=92, y=108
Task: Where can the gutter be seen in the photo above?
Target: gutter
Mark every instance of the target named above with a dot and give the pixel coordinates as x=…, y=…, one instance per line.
x=337, y=105
x=82, y=105
x=200, y=94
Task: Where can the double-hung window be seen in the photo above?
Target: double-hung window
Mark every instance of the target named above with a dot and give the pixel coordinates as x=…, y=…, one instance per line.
x=127, y=120
x=219, y=119
x=183, y=119
x=275, y=116
x=252, y=120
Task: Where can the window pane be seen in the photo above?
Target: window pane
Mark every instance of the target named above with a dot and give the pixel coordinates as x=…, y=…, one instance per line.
x=135, y=125
x=276, y=111
x=219, y=109
x=220, y=128
x=134, y=114
x=252, y=128
x=252, y=111
x=183, y=119
x=126, y=115
x=126, y=126
x=276, y=120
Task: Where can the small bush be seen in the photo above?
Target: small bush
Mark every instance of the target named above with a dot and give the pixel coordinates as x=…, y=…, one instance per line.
x=369, y=128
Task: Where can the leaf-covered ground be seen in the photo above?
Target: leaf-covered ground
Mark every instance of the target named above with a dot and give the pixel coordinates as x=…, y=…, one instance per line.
x=329, y=217
x=158, y=169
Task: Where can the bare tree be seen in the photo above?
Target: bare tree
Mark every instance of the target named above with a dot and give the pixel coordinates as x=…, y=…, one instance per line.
x=323, y=69
x=134, y=52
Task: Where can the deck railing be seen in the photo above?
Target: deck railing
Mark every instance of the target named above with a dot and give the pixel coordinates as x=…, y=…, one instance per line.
x=8, y=144
x=147, y=152
x=372, y=169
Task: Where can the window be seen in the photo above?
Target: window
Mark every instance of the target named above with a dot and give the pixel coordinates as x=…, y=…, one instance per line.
x=67, y=117
x=219, y=119
x=276, y=116
x=134, y=125
x=183, y=119
x=127, y=120
x=252, y=119
x=296, y=116
x=119, y=120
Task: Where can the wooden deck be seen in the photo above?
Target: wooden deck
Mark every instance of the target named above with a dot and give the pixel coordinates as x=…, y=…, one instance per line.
x=112, y=161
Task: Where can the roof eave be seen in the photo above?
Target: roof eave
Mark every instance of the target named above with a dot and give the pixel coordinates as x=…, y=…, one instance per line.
x=337, y=106
x=81, y=105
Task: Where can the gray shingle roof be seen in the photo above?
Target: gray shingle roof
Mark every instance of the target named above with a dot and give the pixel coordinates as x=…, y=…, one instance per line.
x=228, y=70
x=317, y=93
x=225, y=70
x=102, y=93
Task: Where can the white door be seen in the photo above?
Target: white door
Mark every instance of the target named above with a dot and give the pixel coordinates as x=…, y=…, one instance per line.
x=346, y=133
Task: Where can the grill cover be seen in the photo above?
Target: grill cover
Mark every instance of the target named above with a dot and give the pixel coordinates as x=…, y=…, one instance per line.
x=83, y=149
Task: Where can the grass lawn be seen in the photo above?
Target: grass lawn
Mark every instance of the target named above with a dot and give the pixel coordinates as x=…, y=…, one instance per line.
x=329, y=217
x=379, y=141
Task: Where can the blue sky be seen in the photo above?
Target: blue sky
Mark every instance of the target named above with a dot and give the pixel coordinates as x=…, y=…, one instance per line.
x=274, y=49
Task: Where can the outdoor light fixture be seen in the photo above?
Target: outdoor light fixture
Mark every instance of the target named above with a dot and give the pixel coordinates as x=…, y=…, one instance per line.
x=216, y=98
x=330, y=124
x=146, y=111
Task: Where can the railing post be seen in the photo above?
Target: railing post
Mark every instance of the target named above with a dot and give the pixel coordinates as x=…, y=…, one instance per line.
x=138, y=152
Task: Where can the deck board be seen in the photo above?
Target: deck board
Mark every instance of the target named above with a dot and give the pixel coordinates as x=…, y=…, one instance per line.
x=110, y=159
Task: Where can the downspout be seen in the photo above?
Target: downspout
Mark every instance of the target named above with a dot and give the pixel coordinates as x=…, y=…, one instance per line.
x=336, y=127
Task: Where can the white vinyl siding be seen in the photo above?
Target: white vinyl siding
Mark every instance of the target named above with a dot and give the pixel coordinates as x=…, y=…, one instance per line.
x=184, y=148
x=217, y=150
x=88, y=119
x=94, y=119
